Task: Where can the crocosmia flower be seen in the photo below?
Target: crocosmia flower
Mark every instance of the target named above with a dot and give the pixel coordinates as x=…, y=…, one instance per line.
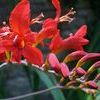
x=22, y=38
x=50, y=25
x=49, y=28
x=75, y=42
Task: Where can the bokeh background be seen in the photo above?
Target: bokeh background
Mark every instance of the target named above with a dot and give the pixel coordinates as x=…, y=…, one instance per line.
x=20, y=79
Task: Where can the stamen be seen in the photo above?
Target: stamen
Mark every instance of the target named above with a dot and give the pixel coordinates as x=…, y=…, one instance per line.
x=71, y=34
x=68, y=17
x=36, y=20
x=4, y=34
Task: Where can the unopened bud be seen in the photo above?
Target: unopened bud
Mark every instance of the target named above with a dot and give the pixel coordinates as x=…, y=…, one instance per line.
x=92, y=84
x=97, y=78
x=64, y=70
x=93, y=67
x=53, y=61
x=74, y=56
x=88, y=57
x=80, y=71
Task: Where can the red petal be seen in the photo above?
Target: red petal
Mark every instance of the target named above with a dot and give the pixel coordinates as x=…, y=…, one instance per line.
x=81, y=31
x=48, y=32
x=16, y=55
x=30, y=37
x=6, y=44
x=2, y=57
x=20, y=18
x=56, y=44
x=74, y=42
x=53, y=61
x=33, y=55
x=56, y=4
x=49, y=22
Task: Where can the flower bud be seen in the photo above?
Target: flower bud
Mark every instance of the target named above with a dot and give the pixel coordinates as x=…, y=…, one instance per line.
x=92, y=84
x=53, y=61
x=88, y=57
x=64, y=70
x=93, y=67
x=74, y=56
x=80, y=71
x=97, y=78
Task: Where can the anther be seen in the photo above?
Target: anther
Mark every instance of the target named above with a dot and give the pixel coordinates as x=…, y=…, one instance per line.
x=68, y=16
x=37, y=19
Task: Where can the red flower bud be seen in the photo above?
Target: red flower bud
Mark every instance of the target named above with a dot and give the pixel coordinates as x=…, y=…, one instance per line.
x=64, y=70
x=80, y=71
x=93, y=67
x=98, y=77
x=92, y=84
x=53, y=61
x=74, y=56
x=88, y=57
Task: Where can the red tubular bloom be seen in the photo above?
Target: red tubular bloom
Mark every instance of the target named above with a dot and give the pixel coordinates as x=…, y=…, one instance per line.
x=21, y=42
x=75, y=42
x=49, y=28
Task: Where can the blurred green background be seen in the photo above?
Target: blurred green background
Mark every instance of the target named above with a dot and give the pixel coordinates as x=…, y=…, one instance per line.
x=19, y=79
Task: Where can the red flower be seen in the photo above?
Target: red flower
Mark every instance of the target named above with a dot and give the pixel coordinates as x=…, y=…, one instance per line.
x=76, y=41
x=23, y=37
x=49, y=28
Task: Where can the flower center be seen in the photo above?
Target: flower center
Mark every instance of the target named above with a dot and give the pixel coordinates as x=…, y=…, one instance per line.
x=19, y=42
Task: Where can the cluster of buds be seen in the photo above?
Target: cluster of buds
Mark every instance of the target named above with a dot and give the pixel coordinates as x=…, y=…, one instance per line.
x=77, y=77
x=18, y=41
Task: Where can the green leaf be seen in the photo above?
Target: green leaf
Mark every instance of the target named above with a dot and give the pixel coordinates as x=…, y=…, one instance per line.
x=98, y=95
x=57, y=93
